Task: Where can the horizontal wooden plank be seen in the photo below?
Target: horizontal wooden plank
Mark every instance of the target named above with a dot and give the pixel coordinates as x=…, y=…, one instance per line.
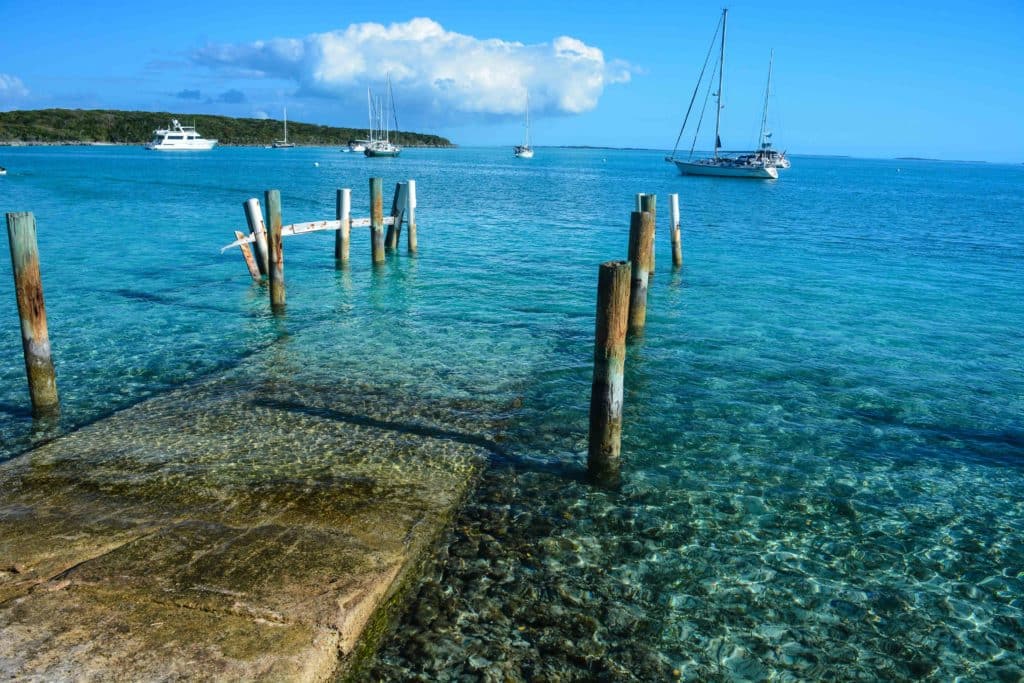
x=312, y=226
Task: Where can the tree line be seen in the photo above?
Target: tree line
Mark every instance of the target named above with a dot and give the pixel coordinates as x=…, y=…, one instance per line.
x=136, y=127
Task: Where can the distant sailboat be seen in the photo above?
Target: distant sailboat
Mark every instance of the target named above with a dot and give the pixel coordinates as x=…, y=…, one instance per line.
x=284, y=144
x=749, y=165
x=380, y=144
x=524, y=151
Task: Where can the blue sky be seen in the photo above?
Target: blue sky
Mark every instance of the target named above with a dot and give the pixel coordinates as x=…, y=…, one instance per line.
x=869, y=79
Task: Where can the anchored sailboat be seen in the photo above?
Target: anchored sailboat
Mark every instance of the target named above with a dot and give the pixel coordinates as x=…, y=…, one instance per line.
x=524, y=151
x=380, y=144
x=743, y=166
x=284, y=144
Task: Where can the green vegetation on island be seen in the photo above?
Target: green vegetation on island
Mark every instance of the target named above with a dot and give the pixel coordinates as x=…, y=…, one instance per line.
x=66, y=126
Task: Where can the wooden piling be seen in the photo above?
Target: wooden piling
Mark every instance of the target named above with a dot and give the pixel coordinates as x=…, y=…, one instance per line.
x=276, y=265
x=649, y=203
x=641, y=243
x=606, y=391
x=410, y=215
x=35, y=336
x=254, y=216
x=398, y=203
x=250, y=262
x=343, y=212
x=674, y=231
x=377, y=219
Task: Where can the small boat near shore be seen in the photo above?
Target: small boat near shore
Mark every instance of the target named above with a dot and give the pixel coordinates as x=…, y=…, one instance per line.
x=284, y=144
x=3, y=171
x=379, y=144
x=179, y=138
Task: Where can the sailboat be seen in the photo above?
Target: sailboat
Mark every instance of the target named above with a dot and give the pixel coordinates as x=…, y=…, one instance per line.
x=743, y=166
x=524, y=151
x=380, y=144
x=765, y=151
x=284, y=144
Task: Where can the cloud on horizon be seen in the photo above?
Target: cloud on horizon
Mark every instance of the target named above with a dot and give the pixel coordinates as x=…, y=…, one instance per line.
x=189, y=95
x=11, y=87
x=231, y=97
x=447, y=73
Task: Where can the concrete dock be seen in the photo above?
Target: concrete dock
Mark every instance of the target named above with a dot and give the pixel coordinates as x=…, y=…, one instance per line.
x=232, y=529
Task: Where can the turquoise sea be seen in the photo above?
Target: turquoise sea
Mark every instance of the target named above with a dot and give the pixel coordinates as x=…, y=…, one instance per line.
x=823, y=437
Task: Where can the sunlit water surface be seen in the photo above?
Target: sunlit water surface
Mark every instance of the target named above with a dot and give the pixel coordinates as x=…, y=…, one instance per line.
x=823, y=441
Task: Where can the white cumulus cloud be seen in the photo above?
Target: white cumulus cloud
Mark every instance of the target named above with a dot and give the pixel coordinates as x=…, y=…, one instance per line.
x=12, y=87
x=431, y=69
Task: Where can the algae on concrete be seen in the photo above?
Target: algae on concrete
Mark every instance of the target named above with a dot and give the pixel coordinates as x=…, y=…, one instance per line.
x=230, y=529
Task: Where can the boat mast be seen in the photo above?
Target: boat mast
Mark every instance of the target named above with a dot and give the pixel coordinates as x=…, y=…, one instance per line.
x=386, y=115
x=286, y=124
x=767, y=90
x=721, y=74
x=527, y=119
x=369, y=113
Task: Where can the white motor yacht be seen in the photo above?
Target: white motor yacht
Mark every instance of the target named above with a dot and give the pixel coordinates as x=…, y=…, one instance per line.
x=179, y=138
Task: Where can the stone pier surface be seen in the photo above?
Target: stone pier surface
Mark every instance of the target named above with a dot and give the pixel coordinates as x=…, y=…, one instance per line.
x=228, y=530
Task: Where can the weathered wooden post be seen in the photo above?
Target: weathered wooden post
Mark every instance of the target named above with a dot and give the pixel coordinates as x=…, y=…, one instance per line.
x=254, y=217
x=398, y=203
x=343, y=212
x=674, y=232
x=641, y=242
x=377, y=219
x=276, y=265
x=410, y=219
x=613, y=286
x=35, y=337
x=250, y=262
x=649, y=204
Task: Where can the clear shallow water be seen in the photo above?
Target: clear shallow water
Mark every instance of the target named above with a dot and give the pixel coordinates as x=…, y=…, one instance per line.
x=822, y=439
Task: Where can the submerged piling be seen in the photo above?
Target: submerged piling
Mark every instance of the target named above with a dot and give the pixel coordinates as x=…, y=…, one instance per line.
x=377, y=219
x=35, y=336
x=276, y=272
x=410, y=218
x=641, y=248
x=343, y=212
x=606, y=391
x=254, y=217
x=674, y=231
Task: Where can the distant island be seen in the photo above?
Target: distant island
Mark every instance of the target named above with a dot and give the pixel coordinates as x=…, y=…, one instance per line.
x=956, y=161
x=90, y=126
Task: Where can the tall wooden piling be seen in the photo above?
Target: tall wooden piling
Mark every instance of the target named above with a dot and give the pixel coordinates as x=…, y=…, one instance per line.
x=674, y=231
x=606, y=391
x=250, y=262
x=410, y=215
x=377, y=219
x=398, y=203
x=276, y=266
x=35, y=336
x=254, y=217
x=343, y=212
x=649, y=203
x=641, y=249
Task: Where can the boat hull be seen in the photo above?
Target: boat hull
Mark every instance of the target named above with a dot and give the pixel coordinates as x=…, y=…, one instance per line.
x=381, y=153
x=521, y=152
x=756, y=172
x=192, y=146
